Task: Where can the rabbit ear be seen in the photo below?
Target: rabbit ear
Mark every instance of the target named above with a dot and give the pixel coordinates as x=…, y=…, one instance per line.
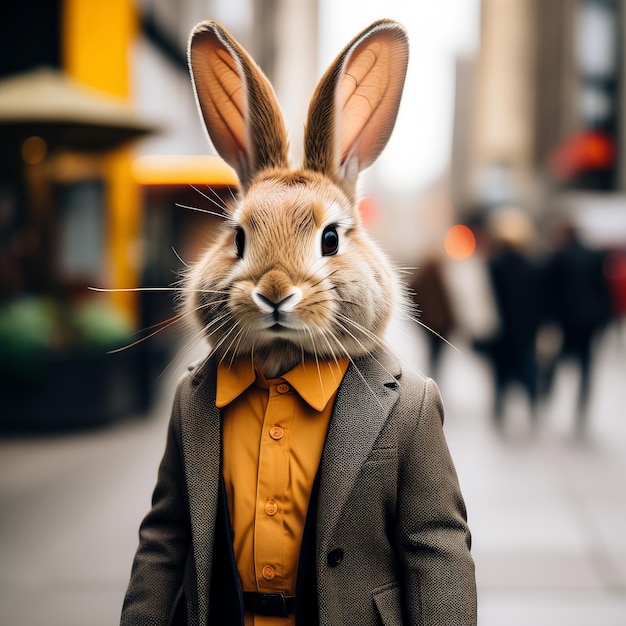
x=355, y=104
x=237, y=103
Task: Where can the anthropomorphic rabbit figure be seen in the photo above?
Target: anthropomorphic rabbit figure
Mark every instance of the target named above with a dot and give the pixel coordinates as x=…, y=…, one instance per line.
x=306, y=478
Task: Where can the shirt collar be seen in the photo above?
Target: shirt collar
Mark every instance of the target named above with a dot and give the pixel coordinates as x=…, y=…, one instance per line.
x=232, y=380
x=315, y=382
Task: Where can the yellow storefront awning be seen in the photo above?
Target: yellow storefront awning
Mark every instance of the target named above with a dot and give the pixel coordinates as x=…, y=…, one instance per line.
x=183, y=170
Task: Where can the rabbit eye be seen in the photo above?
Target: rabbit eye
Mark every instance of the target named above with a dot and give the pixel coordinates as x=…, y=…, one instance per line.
x=240, y=241
x=330, y=241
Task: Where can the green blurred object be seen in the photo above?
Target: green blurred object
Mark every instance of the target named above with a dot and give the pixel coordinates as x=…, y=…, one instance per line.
x=100, y=327
x=32, y=330
x=28, y=329
x=58, y=369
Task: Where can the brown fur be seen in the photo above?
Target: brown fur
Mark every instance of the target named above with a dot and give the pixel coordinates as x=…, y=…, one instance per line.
x=284, y=301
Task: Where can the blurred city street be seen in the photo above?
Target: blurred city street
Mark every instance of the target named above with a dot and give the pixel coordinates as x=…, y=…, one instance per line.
x=546, y=510
x=504, y=184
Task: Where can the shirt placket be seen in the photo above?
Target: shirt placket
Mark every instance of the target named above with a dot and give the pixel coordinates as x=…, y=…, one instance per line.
x=272, y=485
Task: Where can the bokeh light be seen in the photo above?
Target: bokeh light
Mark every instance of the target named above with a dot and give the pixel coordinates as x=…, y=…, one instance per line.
x=34, y=150
x=459, y=242
x=368, y=211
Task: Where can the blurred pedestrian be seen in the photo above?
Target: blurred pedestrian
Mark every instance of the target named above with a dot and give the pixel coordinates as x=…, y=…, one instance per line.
x=579, y=303
x=515, y=280
x=471, y=295
x=615, y=272
x=432, y=299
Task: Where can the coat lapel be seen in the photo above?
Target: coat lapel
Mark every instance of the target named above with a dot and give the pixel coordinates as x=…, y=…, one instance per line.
x=366, y=397
x=201, y=441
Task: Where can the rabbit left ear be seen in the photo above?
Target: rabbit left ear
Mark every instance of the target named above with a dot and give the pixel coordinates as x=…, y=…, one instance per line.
x=355, y=104
x=237, y=103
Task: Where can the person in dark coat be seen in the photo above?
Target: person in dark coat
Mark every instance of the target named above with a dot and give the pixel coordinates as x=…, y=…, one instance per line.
x=515, y=280
x=579, y=303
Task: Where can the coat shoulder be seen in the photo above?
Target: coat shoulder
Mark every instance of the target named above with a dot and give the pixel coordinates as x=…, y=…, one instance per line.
x=418, y=394
x=195, y=390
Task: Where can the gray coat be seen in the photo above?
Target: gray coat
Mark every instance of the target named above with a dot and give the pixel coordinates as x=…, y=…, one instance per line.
x=390, y=541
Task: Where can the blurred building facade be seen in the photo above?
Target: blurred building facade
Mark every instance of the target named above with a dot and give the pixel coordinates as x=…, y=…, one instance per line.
x=106, y=143
x=71, y=212
x=539, y=118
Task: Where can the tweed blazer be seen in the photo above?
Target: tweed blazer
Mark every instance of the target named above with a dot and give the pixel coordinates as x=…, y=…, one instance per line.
x=387, y=533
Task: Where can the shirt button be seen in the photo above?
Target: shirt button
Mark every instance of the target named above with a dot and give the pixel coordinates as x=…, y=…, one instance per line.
x=268, y=572
x=277, y=432
x=271, y=508
x=335, y=557
x=282, y=388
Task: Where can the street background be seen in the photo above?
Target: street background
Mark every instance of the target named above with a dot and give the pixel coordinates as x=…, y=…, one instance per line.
x=501, y=194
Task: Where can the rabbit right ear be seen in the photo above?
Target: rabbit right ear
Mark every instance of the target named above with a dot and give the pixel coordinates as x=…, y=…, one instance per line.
x=355, y=104
x=237, y=103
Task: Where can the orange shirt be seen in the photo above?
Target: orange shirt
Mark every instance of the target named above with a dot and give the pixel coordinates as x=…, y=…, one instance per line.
x=273, y=434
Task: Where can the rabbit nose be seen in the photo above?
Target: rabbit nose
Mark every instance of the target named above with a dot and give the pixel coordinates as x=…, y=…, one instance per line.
x=283, y=305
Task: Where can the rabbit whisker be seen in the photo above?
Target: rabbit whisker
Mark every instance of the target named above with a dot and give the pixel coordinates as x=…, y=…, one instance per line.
x=252, y=351
x=222, y=340
x=315, y=354
x=240, y=335
x=415, y=319
x=149, y=289
x=191, y=344
x=352, y=302
x=332, y=354
x=180, y=258
x=165, y=322
x=158, y=327
x=374, y=338
x=358, y=371
x=360, y=328
x=302, y=352
x=217, y=323
x=219, y=203
x=366, y=332
x=240, y=330
x=320, y=301
x=218, y=197
x=232, y=195
x=321, y=280
x=323, y=290
x=212, y=303
x=170, y=323
x=378, y=341
x=199, y=210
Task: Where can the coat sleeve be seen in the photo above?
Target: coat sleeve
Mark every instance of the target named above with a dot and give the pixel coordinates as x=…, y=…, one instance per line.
x=164, y=539
x=434, y=537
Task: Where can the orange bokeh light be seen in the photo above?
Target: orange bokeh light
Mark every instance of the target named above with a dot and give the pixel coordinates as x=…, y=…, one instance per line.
x=459, y=242
x=368, y=211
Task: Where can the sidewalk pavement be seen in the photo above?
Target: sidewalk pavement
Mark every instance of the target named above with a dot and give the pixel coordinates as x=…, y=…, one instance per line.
x=546, y=511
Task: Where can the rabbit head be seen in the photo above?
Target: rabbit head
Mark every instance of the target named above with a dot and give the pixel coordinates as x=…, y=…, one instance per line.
x=294, y=275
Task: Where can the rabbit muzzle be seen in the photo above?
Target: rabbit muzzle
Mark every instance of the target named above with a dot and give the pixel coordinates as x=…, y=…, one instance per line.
x=276, y=299
x=280, y=310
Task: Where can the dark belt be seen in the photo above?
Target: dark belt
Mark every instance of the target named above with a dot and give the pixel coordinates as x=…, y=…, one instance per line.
x=271, y=604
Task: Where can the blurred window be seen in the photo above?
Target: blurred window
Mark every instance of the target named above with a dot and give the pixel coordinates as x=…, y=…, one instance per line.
x=82, y=229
